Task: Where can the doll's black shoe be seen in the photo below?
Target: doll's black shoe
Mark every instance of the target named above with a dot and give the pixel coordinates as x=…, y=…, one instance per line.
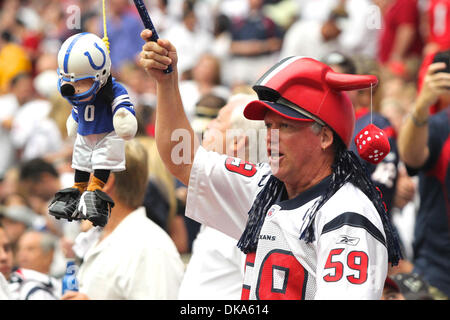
x=64, y=204
x=95, y=206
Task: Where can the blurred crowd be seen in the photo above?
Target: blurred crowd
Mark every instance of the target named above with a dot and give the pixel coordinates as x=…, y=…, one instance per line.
x=223, y=46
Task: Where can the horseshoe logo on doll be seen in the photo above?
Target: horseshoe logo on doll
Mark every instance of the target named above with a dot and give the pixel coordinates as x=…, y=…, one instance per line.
x=91, y=62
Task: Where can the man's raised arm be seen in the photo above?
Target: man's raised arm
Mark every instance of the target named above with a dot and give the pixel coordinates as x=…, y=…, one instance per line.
x=171, y=120
x=413, y=136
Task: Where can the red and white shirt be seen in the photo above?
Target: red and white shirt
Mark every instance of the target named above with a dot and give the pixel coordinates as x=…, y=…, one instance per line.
x=347, y=260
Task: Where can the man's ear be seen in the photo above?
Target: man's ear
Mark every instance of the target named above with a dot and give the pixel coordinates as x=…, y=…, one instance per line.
x=109, y=186
x=326, y=138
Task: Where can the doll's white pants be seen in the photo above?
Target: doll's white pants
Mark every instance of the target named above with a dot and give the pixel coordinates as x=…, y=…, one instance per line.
x=99, y=151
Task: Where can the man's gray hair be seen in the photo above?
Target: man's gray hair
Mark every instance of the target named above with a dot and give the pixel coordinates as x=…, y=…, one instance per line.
x=48, y=241
x=316, y=128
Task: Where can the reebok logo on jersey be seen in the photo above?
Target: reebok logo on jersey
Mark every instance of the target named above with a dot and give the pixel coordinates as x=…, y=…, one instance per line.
x=271, y=213
x=352, y=241
x=267, y=237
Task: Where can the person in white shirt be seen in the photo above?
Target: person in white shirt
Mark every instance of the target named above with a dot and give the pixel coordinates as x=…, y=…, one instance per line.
x=319, y=32
x=310, y=38
x=216, y=266
x=23, y=284
x=132, y=258
x=191, y=39
x=6, y=254
x=20, y=92
x=311, y=222
x=27, y=284
x=4, y=290
x=206, y=79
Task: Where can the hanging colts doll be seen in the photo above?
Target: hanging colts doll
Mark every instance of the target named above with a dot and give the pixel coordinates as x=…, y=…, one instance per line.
x=102, y=118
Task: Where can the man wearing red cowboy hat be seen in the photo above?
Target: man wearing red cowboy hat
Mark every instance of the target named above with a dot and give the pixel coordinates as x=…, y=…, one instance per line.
x=312, y=224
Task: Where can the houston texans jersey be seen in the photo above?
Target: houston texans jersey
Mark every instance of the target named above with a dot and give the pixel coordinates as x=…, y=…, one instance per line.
x=98, y=117
x=347, y=260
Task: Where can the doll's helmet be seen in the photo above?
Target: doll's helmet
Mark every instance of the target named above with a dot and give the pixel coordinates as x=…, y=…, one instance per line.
x=305, y=89
x=83, y=56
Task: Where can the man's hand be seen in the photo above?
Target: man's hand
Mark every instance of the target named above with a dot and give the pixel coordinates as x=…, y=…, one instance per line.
x=435, y=84
x=413, y=136
x=74, y=295
x=157, y=56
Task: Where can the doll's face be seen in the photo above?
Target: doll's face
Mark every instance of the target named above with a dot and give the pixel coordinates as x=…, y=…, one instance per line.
x=78, y=87
x=81, y=86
